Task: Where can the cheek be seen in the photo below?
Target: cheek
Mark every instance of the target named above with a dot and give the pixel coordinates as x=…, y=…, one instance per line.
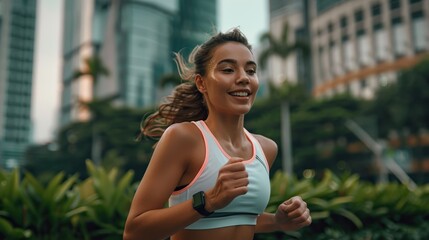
x=255, y=84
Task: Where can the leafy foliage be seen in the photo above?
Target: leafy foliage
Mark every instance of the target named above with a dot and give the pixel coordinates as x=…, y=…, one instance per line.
x=342, y=207
x=65, y=208
x=94, y=67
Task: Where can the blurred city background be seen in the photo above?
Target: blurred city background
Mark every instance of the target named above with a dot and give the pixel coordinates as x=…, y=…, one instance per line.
x=343, y=92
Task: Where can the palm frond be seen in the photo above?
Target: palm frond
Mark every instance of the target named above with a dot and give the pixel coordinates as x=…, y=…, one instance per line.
x=281, y=47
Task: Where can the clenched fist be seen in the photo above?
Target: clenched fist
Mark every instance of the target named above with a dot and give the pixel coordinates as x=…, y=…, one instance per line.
x=293, y=214
x=232, y=182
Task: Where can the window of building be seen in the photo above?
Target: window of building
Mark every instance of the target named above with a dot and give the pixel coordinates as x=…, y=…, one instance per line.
x=321, y=64
x=148, y=93
x=419, y=31
x=376, y=9
x=364, y=54
x=348, y=59
x=335, y=59
x=359, y=20
x=395, y=4
x=415, y=1
x=343, y=25
x=330, y=27
x=398, y=35
x=380, y=41
x=98, y=24
x=343, y=21
x=140, y=87
x=359, y=15
x=323, y=5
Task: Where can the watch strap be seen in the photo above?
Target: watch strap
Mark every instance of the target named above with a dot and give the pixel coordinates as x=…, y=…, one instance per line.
x=199, y=203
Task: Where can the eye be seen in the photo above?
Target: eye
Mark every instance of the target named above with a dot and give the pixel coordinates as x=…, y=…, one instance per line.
x=227, y=70
x=251, y=71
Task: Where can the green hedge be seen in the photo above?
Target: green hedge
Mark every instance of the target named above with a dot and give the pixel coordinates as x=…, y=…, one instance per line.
x=342, y=207
x=64, y=208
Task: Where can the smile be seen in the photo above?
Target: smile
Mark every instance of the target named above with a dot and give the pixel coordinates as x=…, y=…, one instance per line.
x=240, y=94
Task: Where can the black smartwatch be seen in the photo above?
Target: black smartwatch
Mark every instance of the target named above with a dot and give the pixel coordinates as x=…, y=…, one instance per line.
x=199, y=203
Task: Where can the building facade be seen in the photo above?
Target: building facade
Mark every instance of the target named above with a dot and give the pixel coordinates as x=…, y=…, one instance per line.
x=358, y=45
x=361, y=45
x=134, y=39
x=79, y=43
x=296, y=68
x=192, y=25
x=17, y=38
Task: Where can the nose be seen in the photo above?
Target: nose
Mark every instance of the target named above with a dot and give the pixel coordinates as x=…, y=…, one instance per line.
x=243, y=77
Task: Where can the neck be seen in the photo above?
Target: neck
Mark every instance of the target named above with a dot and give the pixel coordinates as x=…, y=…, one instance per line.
x=229, y=129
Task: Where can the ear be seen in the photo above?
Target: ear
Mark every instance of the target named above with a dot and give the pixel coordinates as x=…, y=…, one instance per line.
x=200, y=83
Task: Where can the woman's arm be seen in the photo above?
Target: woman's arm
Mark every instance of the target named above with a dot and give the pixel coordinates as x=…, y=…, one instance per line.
x=147, y=217
x=291, y=215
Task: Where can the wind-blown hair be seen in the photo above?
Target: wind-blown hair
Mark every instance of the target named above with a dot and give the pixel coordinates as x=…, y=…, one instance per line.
x=186, y=103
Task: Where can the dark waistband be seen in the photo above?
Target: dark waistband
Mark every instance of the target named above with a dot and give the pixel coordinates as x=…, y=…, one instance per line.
x=227, y=214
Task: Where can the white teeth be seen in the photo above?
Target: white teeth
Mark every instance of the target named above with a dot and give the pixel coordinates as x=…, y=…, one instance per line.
x=240, y=94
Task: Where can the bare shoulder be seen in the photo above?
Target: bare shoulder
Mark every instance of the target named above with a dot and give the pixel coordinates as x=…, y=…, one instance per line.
x=174, y=140
x=181, y=133
x=268, y=146
x=168, y=164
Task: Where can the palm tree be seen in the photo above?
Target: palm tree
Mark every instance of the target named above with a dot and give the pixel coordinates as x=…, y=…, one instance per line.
x=283, y=48
x=94, y=68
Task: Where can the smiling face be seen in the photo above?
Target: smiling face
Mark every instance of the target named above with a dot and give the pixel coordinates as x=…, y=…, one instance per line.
x=230, y=83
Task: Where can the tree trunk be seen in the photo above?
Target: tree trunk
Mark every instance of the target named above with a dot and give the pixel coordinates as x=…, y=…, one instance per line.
x=286, y=138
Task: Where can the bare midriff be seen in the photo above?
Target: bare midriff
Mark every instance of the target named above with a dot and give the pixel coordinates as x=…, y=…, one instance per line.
x=230, y=233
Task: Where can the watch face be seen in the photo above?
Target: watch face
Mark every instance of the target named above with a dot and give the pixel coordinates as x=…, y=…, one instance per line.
x=198, y=199
x=199, y=202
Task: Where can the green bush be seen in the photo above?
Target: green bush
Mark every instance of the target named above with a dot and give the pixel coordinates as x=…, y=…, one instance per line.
x=342, y=207
x=347, y=208
x=64, y=208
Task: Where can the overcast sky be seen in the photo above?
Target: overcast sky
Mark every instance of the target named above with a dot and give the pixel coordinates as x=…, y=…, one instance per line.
x=251, y=16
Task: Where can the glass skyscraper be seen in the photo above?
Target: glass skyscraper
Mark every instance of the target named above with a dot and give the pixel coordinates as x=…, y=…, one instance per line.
x=193, y=23
x=144, y=34
x=134, y=39
x=17, y=35
x=80, y=39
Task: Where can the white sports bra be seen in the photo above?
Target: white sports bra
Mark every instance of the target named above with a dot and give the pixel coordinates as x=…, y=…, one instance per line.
x=244, y=209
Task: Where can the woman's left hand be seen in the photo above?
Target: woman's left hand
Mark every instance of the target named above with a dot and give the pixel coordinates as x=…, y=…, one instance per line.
x=293, y=214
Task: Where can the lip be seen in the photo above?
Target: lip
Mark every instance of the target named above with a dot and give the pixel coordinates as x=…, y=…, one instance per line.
x=247, y=91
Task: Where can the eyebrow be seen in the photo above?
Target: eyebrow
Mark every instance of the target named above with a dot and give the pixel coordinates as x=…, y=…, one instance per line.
x=228, y=60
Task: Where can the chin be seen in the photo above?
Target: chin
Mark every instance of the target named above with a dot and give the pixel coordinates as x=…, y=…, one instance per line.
x=243, y=110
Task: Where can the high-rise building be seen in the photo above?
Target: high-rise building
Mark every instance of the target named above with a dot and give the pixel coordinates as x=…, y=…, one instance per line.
x=361, y=45
x=143, y=33
x=17, y=35
x=80, y=40
x=134, y=40
x=296, y=67
x=356, y=45
x=193, y=23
